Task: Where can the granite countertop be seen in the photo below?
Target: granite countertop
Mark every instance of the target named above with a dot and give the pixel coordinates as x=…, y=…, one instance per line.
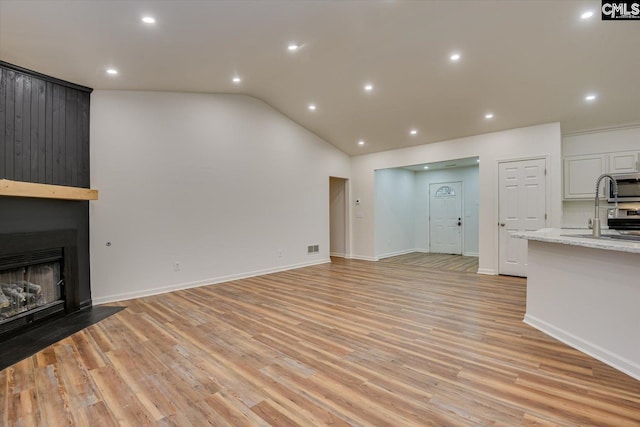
x=572, y=236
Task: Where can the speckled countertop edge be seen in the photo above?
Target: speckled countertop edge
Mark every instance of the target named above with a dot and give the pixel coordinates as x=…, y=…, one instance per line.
x=564, y=236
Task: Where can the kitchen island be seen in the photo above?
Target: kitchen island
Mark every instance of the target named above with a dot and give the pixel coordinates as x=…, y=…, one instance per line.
x=586, y=293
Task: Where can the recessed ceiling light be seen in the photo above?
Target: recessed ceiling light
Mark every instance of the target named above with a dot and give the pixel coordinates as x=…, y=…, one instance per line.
x=413, y=131
x=488, y=116
x=455, y=57
x=368, y=87
x=586, y=15
x=112, y=71
x=426, y=167
x=312, y=107
x=293, y=46
x=590, y=97
x=361, y=142
x=148, y=20
x=236, y=79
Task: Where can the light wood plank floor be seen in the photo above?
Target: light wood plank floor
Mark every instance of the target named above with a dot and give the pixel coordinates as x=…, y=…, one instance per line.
x=347, y=343
x=437, y=261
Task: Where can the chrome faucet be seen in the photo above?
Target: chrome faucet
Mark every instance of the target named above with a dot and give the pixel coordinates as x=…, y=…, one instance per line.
x=596, y=219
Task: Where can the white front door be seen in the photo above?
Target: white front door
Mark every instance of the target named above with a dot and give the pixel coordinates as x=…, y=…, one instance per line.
x=522, y=205
x=445, y=218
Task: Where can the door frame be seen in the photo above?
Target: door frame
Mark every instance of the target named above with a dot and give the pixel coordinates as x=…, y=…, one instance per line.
x=347, y=218
x=496, y=203
x=461, y=182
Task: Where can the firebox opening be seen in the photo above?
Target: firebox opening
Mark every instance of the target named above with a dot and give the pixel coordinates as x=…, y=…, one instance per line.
x=32, y=286
x=28, y=288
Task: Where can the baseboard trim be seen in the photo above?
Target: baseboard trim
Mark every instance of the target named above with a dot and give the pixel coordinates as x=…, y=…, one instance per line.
x=205, y=282
x=615, y=361
x=338, y=254
x=488, y=271
x=475, y=254
x=363, y=258
x=391, y=254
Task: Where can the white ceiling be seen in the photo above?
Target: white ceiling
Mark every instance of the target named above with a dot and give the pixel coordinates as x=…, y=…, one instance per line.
x=528, y=62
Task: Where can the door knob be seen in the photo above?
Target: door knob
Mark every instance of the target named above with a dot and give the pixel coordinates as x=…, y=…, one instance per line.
x=459, y=223
x=502, y=224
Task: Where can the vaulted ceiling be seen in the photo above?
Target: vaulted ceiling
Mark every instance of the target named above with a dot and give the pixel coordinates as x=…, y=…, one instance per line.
x=525, y=62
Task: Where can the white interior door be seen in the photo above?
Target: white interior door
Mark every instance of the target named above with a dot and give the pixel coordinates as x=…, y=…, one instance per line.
x=445, y=218
x=522, y=205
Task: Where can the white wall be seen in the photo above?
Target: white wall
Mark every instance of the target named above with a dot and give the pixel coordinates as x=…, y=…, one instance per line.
x=394, y=208
x=223, y=184
x=576, y=213
x=542, y=140
x=338, y=216
x=469, y=176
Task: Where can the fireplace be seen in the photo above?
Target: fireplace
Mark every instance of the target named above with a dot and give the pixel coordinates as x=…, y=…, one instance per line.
x=44, y=232
x=38, y=278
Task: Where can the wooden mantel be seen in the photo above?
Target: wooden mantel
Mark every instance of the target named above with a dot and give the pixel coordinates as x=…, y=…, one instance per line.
x=45, y=191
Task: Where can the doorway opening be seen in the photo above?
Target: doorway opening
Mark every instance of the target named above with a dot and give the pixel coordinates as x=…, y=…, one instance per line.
x=405, y=198
x=338, y=217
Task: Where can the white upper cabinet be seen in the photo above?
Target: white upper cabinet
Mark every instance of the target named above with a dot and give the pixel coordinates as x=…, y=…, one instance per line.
x=580, y=175
x=624, y=162
x=587, y=155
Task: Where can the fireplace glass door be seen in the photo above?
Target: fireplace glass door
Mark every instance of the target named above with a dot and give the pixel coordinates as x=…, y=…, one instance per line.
x=28, y=288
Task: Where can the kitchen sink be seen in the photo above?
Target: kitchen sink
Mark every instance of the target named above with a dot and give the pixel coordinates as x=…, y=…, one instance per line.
x=628, y=237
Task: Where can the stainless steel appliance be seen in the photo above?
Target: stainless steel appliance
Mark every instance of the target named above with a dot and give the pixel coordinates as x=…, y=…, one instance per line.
x=628, y=188
x=626, y=221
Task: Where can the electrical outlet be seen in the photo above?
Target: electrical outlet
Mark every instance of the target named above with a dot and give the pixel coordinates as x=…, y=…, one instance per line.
x=176, y=266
